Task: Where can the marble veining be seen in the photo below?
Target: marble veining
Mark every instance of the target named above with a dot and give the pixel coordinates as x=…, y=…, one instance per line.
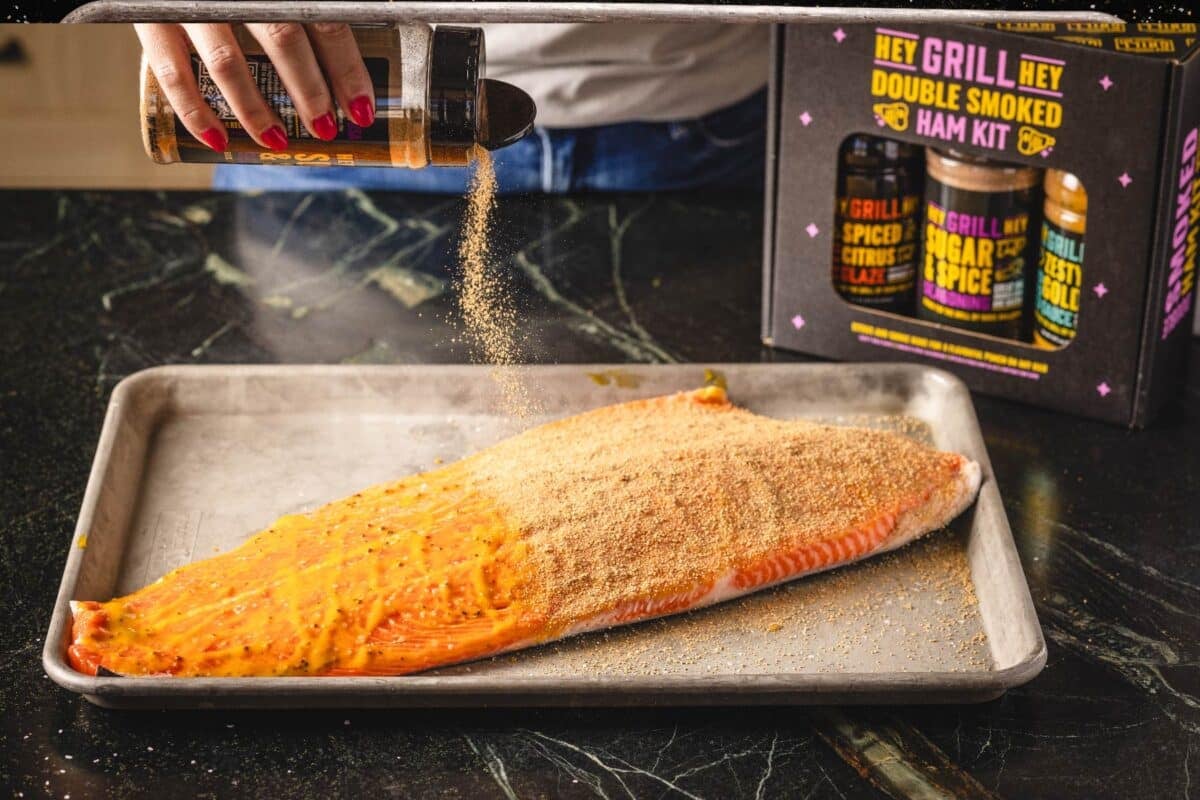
x=96, y=285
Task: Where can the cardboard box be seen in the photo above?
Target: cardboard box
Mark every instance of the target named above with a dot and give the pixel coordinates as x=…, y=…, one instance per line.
x=1118, y=106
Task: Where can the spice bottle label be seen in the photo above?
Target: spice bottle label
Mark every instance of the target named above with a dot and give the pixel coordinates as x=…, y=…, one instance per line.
x=266, y=78
x=1059, y=279
x=976, y=244
x=875, y=249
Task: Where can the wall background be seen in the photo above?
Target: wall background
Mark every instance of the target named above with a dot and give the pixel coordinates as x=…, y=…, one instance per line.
x=69, y=112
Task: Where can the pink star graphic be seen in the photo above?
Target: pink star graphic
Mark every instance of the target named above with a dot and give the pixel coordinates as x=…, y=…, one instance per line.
x=1104, y=389
x=1106, y=82
x=1046, y=153
x=1100, y=289
x=812, y=230
x=840, y=35
x=1124, y=180
x=797, y=322
x=879, y=121
x=805, y=119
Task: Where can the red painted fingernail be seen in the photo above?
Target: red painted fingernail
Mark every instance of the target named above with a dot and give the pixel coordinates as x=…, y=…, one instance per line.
x=362, y=111
x=215, y=138
x=275, y=138
x=325, y=127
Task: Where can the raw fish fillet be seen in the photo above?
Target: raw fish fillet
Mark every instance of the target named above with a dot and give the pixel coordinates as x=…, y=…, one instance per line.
x=617, y=515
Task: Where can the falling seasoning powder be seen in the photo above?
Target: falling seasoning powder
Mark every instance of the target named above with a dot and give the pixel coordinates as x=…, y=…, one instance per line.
x=485, y=302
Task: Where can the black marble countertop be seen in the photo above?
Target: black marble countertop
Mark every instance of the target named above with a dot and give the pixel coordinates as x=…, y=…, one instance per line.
x=96, y=286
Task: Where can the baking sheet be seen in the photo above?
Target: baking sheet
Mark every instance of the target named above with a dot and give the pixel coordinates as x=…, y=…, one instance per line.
x=192, y=460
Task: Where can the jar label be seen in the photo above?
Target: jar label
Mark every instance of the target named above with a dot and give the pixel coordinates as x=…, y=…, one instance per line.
x=875, y=248
x=1059, y=280
x=305, y=149
x=975, y=254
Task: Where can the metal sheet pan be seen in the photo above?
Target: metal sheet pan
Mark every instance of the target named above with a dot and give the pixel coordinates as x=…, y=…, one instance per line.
x=193, y=459
x=455, y=11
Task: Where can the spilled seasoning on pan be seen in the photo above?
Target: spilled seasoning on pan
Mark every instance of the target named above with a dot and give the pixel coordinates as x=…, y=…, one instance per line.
x=861, y=619
x=910, y=611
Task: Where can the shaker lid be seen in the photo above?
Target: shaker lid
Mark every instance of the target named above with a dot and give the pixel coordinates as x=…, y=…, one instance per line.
x=864, y=150
x=506, y=114
x=456, y=68
x=464, y=107
x=1065, y=189
x=977, y=173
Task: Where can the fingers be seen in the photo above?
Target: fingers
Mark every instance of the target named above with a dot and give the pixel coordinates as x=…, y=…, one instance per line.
x=286, y=44
x=219, y=50
x=166, y=50
x=338, y=54
x=310, y=60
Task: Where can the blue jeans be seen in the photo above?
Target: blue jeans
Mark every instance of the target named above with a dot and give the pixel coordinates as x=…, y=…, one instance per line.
x=723, y=149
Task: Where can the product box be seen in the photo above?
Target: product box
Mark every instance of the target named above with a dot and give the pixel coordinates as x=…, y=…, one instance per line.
x=1018, y=204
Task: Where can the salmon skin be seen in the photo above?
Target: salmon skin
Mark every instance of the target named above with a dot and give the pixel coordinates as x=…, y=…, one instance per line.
x=617, y=515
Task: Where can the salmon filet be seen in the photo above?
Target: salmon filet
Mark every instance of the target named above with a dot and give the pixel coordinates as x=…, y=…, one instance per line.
x=620, y=514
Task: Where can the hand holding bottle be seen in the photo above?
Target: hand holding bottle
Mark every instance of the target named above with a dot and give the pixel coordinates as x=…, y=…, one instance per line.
x=318, y=64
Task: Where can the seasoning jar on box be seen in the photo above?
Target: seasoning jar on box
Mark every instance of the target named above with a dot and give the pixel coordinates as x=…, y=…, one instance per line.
x=1060, y=265
x=433, y=106
x=878, y=218
x=979, y=227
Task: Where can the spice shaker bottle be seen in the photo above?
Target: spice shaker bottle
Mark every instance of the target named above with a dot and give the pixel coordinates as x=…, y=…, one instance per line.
x=977, y=240
x=433, y=106
x=1060, y=265
x=877, y=222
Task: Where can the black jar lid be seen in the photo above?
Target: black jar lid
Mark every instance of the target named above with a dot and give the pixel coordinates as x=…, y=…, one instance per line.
x=464, y=107
x=866, y=152
x=506, y=114
x=456, y=68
